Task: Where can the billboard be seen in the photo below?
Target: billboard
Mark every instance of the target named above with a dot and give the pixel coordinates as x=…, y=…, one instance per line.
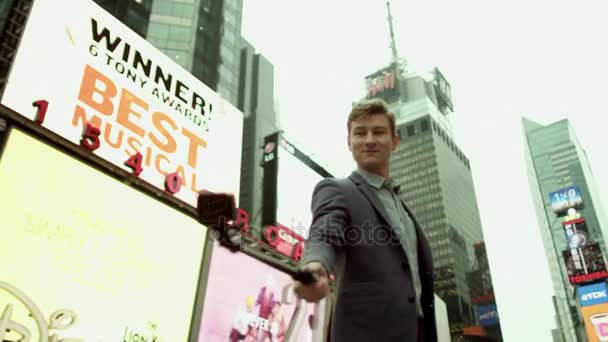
x=244, y=301
x=384, y=84
x=595, y=318
x=443, y=90
x=480, y=286
x=488, y=315
x=593, y=294
x=98, y=84
x=577, y=234
x=585, y=264
x=566, y=198
x=84, y=258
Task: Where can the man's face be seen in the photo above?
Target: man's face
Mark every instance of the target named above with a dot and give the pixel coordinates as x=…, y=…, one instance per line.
x=371, y=141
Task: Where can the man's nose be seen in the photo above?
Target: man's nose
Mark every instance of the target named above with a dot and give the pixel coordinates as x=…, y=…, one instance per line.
x=369, y=138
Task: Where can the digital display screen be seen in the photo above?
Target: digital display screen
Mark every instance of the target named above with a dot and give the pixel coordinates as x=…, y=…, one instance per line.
x=245, y=301
x=78, y=243
x=576, y=232
x=480, y=286
x=564, y=199
x=488, y=315
x=593, y=294
x=585, y=264
x=384, y=84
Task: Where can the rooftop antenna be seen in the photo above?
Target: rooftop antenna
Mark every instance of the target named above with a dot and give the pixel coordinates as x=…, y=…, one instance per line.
x=392, y=32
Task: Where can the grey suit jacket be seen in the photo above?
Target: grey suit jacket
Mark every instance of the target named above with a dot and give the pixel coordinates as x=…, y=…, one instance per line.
x=351, y=236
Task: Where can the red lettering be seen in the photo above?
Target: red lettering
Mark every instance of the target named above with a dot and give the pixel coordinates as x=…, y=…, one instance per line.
x=173, y=183
x=134, y=162
x=271, y=234
x=297, y=251
x=242, y=218
x=90, y=138
x=41, y=112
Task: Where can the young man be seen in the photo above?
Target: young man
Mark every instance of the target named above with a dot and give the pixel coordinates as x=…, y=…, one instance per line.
x=365, y=235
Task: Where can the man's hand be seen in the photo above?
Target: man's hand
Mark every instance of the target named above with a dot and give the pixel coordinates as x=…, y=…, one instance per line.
x=316, y=290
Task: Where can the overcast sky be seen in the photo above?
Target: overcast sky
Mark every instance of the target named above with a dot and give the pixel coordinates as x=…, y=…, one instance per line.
x=545, y=60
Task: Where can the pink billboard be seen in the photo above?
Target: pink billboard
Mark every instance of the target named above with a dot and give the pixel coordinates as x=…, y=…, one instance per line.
x=244, y=301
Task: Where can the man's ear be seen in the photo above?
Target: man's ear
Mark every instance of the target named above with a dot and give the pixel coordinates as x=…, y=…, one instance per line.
x=395, y=141
x=350, y=147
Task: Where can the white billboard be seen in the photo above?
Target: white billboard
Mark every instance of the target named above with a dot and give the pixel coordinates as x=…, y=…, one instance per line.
x=98, y=260
x=92, y=69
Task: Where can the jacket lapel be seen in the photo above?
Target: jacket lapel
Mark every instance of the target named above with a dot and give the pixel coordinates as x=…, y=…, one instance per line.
x=371, y=196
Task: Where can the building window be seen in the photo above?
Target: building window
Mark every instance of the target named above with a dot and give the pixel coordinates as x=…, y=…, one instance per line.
x=410, y=130
x=424, y=125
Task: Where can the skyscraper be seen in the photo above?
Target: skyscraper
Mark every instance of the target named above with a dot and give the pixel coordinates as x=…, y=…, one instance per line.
x=256, y=101
x=435, y=175
x=200, y=35
x=556, y=160
x=134, y=14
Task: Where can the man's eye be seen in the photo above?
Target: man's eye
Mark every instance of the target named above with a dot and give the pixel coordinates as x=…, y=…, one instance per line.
x=359, y=133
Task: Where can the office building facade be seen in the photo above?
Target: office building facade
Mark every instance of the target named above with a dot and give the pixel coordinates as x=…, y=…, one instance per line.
x=203, y=36
x=436, y=180
x=256, y=101
x=556, y=160
x=134, y=14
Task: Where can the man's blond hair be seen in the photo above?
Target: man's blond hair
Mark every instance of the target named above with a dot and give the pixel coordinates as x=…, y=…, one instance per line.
x=370, y=107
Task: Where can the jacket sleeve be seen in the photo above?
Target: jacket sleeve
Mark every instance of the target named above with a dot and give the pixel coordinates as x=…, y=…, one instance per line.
x=329, y=219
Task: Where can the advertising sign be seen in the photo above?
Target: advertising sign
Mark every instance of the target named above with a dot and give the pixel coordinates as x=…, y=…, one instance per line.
x=384, y=84
x=243, y=301
x=488, y=315
x=593, y=294
x=480, y=286
x=585, y=264
x=87, y=257
x=595, y=318
x=285, y=241
x=98, y=84
x=576, y=232
x=443, y=90
x=563, y=199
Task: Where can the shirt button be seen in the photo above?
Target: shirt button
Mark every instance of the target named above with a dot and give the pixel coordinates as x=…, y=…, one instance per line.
x=411, y=299
x=405, y=266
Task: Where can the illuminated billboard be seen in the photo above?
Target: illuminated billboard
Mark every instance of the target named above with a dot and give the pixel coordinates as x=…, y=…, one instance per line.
x=290, y=177
x=480, y=286
x=85, y=256
x=244, y=301
x=566, y=198
x=443, y=91
x=585, y=264
x=595, y=318
x=577, y=234
x=488, y=315
x=384, y=84
x=98, y=84
x=593, y=294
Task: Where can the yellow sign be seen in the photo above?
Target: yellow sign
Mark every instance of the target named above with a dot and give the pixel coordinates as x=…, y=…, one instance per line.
x=82, y=244
x=596, y=322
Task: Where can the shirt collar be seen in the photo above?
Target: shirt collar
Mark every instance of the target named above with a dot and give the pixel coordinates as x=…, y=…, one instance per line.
x=378, y=181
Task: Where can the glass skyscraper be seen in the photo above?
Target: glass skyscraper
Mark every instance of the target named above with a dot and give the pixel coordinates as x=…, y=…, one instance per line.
x=436, y=179
x=556, y=160
x=203, y=36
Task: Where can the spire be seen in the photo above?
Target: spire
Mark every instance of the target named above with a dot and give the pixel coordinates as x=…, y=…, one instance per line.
x=392, y=33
